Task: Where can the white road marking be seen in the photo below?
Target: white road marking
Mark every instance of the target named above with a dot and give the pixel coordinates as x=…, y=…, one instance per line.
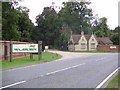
x=65, y=69
x=12, y=84
x=106, y=79
x=100, y=59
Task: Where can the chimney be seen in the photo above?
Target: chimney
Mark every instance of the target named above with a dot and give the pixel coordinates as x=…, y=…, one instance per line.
x=82, y=33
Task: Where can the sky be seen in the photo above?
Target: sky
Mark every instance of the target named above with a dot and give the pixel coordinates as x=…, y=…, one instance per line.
x=104, y=8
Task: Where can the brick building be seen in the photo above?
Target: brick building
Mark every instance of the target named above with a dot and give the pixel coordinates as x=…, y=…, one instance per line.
x=82, y=42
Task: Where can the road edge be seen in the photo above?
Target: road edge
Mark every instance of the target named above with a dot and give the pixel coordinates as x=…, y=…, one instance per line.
x=105, y=82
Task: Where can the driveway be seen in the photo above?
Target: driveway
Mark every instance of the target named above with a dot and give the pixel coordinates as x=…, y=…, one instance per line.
x=68, y=55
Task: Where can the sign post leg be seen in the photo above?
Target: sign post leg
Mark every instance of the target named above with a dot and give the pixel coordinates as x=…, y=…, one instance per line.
x=39, y=50
x=11, y=51
x=31, y=56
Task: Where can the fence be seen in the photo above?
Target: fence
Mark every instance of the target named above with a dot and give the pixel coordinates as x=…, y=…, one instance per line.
x=108, y=47
x=5, y=50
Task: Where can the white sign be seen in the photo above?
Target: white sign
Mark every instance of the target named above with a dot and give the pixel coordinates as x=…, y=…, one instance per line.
x=25, y=48
x=112, y=46
x=46, y=47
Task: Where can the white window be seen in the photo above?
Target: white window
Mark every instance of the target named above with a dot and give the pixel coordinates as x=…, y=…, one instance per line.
x=92, y=45
x=82, y=45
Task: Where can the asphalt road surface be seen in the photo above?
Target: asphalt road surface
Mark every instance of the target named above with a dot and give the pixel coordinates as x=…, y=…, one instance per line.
x=77, y=71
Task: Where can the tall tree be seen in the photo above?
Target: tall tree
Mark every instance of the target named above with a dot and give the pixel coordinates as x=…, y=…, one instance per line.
x=65, y=33
x=114, y=36
x=48, y=27
x=77, y=15
x=9, y=22
x=16, y=24
x=25, y=25
x=101, y=28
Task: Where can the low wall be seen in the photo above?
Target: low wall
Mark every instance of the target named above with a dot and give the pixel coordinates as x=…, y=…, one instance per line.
x=5, y=50
x=108, y=47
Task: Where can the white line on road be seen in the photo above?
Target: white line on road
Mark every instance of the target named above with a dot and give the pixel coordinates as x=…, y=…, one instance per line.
x=100, y=59
x=65, y=69
x=106, y=79
x=12, y=84
x=43, y=75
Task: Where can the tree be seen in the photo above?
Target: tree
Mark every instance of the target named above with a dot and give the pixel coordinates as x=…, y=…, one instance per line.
x=99, y=33
x=114, y=36
x=16, y=23
x=77, y=15
x=65, y=33
x=100, y=27
x=9, y=22
x=48, y=27
x=103, y=26
x=25, y=25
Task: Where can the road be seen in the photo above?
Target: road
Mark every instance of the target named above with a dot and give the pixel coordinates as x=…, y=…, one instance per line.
x=72, y=71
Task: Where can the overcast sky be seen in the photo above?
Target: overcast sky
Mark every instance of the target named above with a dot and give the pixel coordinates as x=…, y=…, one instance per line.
x=104, y=8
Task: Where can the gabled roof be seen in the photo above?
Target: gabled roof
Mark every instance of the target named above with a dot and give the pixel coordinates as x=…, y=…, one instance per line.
x=87, y=37
x=104, y=40
x=76, y=38
x=101, y=40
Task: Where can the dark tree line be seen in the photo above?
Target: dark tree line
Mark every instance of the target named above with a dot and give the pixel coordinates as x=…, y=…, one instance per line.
x=16, y=24
x=53, y=28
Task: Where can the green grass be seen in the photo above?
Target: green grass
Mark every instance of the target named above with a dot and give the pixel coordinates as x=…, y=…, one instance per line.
x=91, y=51
x=114, y=82
x=26, y=61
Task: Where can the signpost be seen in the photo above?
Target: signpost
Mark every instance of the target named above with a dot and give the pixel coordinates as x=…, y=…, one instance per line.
x=46, y=48
x=26, y=48
x=39, y=50
x=11, y=51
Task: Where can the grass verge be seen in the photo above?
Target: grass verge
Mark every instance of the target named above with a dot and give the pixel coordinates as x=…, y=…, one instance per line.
x=114, y=83
x=26, y=61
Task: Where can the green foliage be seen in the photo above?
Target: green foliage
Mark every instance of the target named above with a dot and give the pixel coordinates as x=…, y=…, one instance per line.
x=48, y=27
x=63, y=39
x=77, y=15
x=64, y=36
x=101, y=28
x=54, y=29
x=99, y=33
x=114, y=36
x=9, y=22
x=25, y=26
x=16, y=24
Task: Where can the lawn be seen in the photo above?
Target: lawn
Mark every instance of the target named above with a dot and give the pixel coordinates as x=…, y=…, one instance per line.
x=114, y=83
x=91, y=51
x=26, y=61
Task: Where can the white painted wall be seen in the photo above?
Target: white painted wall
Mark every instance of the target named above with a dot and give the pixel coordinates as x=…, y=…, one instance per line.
x=92, y=41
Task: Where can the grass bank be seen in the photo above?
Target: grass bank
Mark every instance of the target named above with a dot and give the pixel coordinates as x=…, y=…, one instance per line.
x=114, y=83
x=26, y=61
